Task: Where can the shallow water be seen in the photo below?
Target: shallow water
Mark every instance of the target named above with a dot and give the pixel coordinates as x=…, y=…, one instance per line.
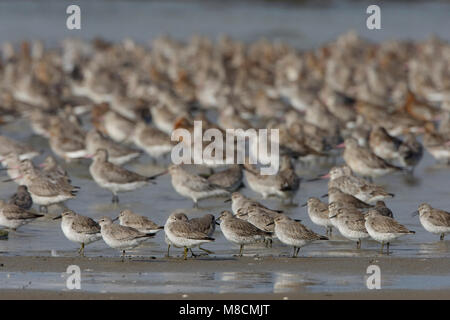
x=213, y=282
x=158, y=201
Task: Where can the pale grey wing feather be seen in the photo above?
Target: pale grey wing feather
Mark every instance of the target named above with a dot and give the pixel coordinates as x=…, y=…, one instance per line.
x=126, y=233
x=82, y=224
x=116, y=174
x=11, y=211
x=384, y=224
x=184, y=229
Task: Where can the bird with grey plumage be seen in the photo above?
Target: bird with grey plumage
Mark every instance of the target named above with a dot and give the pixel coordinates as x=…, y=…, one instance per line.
x=143, y=224
x=383, y=228
x=260, y=219
x=318, y=213
x=120, y=237
x=193, y=186
x=240, y=231
x=294, y=233
x=434, y=220
x=229, y=179
x=342, y=177
x=336, y=195
x=80, y=229
x=115, y=178
x=239, y=201
x=349, y=221
x=12, y=216
x=22, y=198
x=182, y=234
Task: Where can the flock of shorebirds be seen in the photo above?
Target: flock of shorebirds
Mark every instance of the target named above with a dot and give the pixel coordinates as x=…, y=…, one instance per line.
x=113, y=102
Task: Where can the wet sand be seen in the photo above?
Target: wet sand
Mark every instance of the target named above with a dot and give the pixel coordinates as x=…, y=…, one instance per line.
x=334, y=267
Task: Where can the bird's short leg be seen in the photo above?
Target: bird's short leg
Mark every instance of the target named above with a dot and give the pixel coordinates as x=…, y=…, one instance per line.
x=81, y=251
x=207, y=251
x=382, y=246
x=241, y=250
x=185, y=253
x=43, y=209
x=115, y=198
x=293, y=253
x=168, y=248
x=358, y=244
x=387, y=248
x=442, y=236
x=123, y=255
x=195, y=204
x=193, y=254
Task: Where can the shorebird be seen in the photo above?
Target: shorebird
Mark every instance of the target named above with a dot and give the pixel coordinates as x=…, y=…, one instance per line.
x=293, y=233
x=434, y=220
x=181, y=233
x=336, y=195
x=121, y=237
x=318, y=213
x=384, y=229
x=128, y=218
x=22, y=198
x=114, y=178
x=239, y=201
x=8, y=145
x=229, y=179
x=79, y=229
x=341, y=177
x=240, y=231
x=54, y=171
x=153, y=141
x=205, y=224
x=44, y=190
x=282, y=184
x=12, y=216
x=260, y=219
x=349, y=221
x=364, y=162
x=67, y=141
x=12, y=163
x=192, y=186
x=384, y=145
x=117, y=154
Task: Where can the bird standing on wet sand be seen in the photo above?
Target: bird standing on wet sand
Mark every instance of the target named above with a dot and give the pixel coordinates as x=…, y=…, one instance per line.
x=240, y=231
x=434, y=220
x=193, y=186
x=44, y=190
x=336, y=195
x=143, y=224
x=349, y=221
x=341, y=177
x=364, y=162
x=383, y=229
x=121, y=237
x=293, y=233
x=12, y=216
x=22, y=198
x=239, y=201
x=114, y=178
x=229, y=179
x=79, y=229
x=181, y=233
x=318, y=213
x=117, y=153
